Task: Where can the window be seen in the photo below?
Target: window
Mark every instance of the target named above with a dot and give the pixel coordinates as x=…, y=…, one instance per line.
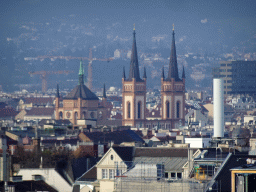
x=111, y=157
x=76, y=115
x=92, y=115
x=166, y=175
x=84, y=115
x=128, y=110
x=173, y=175
x=68, y=115
x=167, y=109
x=178, y=109
x=61, y=115
x=104, y=173
x=139, y=110
x=111, y=173
x=179, y=175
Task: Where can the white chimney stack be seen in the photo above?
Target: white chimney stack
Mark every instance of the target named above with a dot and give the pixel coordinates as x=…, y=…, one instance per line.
x=218, y=107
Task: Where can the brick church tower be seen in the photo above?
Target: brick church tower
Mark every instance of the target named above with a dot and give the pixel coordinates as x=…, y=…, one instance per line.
x=80, y=104
x=173, y=92
x=134, y=92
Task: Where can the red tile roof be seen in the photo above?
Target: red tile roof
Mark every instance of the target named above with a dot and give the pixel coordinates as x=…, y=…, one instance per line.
x=8, y=112
x=40, y=111
x=38, y=100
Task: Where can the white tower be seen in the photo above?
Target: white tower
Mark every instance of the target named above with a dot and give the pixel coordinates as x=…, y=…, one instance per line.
x=218, y=107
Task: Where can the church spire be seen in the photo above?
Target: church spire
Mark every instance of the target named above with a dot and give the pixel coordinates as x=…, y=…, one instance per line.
x=183, y=73
x=173, y=67
x=104, y=92
x=58, y=91
x=134, y=65
x=124, y=73
x=81, y=73
x=163, y=73
x=145, y=74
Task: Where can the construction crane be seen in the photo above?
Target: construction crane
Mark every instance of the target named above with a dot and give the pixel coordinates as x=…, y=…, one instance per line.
x=45, y=74
x=90, y=59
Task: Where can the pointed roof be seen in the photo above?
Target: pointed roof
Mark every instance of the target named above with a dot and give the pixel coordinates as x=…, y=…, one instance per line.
x=58, y=91
x=163, y=73
x=134, y=65
x=183, y=73
x=104, y=92
x=173, y=66
x=81, y=70
x=144, y=75
x=81, y=91
x=124, y=73
x=81, y=74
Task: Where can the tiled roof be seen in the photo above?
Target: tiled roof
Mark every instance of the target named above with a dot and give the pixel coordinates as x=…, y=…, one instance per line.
x=38, y=100
x=160, y=152
x=7, y=112
x=40, y=111
x=90, y=175
x=170, y=163
x=3, y=104
x=153, y=113
x=117, y=116
x=116, y=136
x=25, y=186
x=125, y=153
x=83, y=91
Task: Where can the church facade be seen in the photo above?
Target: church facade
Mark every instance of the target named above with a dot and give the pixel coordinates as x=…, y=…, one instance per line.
x=172, y=94
x=80, y=104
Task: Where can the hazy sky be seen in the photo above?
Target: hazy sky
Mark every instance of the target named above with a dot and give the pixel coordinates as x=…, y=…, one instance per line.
x=51, y=26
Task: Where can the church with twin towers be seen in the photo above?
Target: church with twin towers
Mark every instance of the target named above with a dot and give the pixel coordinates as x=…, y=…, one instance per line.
x=172, y=94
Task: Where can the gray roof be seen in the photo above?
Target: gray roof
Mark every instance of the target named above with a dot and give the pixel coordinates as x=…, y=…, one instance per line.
x=170, y=163
x=83, y=92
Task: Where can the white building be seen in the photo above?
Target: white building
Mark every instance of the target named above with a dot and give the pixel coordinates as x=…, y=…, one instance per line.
x=49, y=175
x=198, y=142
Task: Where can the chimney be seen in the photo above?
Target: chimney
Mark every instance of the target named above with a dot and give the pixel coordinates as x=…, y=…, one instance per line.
x=218, y=107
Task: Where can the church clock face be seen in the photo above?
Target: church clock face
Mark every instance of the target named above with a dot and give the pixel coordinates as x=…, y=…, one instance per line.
x=68, y=114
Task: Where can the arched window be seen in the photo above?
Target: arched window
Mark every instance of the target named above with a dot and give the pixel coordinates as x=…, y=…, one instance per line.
x=76, y=115
x=167, y=105
x=128, y=110
x=84, y=115
x=92, y=115
x=178, y=109
x=139, y=110
x=61, y=115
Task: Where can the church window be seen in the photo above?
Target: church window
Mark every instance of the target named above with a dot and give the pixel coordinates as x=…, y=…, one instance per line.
x=139, y=110
x=128, y=110
x=168, y=109
x=68, y=114
x=178, y=109
x=92, y=115
x=84, y=115
x=61, y=115
x=76, y=115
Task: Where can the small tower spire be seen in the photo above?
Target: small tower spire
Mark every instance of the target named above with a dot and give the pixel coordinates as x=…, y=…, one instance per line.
x=162, y=73
x=104, y=92
x=134, y=65
x=58, y=91
x=81, y=73
x=80, y=90
x=145, y=74
x=124, y=73
x=183, y=73
x=173, y=66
